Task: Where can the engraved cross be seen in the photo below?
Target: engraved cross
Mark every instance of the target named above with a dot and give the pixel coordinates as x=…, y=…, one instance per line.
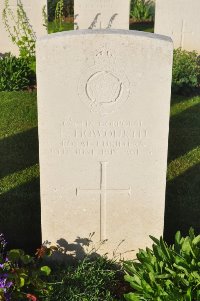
x=182, y=34
x=103, y=192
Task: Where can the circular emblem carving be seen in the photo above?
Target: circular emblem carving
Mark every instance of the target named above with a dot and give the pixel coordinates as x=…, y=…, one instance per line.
x=103, y=87
x=103, y=90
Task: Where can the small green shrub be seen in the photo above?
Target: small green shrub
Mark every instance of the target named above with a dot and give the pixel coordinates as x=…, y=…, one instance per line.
x=186, y=71
x=166, y=273
x=15, y=73
x=142, y=10
x=94, y=279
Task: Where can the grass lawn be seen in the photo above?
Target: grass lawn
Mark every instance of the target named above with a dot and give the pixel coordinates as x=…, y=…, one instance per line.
x=19, y=170
x=19, y=173
x=183, y=179
x=53, y=27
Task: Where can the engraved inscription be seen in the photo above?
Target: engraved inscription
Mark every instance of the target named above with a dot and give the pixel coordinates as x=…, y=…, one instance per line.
x=103, y=191
x=91, y=5
x=103, y=138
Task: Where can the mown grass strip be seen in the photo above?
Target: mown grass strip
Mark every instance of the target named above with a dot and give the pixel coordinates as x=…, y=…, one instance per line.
x=184, y=104
x=183, y=163
x=18, y=178
x=18, y=112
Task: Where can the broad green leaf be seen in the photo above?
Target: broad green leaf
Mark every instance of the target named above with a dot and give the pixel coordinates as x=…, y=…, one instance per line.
x=130, y=268
x=46, y=270
x=131, y=297
x=164, y=248
x=146, y=286
x=178, y=237
x=22, y=282
x=196, y=240
x=155, y=240
x=152, y=277
x=188, y=295
x=164, y=276
x=137, y=279
x=186, y=246
x=191, y=231
x=128, y=278
x=136, y=286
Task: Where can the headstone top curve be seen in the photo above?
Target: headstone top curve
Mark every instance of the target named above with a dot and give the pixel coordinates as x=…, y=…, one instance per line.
x=112, y=32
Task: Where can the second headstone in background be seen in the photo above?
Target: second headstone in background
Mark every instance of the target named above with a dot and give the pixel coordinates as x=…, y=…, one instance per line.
x=101, y=14
x=180, y=20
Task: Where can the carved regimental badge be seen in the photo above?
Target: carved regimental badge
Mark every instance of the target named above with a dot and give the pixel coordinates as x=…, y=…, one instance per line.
x=102, y=87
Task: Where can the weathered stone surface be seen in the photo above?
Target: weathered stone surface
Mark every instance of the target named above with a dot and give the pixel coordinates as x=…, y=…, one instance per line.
x=103, y=103
x=33, y=9
x=105, y=14
x=180, y=20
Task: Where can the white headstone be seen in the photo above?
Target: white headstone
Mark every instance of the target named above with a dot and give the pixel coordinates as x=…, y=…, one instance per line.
x=180, y=20
x=33, y=9
x=105, y=14
x=103, y=102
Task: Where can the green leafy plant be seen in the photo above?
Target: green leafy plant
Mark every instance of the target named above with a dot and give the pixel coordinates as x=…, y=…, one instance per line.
x=19, y=29
x=59, y=14
x=186, y=71
x=68, y=9
x=45, y=16
x=142, y=10
x=22, y=276
x=15, y=73
x=166, y=273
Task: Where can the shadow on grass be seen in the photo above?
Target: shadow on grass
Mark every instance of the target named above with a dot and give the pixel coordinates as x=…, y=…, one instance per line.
x=183, y=192
x=184, y=134
x=142, y=26
x=20, y=216
x=182, y=209
x=179, y=98
x=18, y=152
x=20, y=206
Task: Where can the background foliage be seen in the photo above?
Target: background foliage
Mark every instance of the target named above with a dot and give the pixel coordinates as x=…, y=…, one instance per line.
x=186, y=71
x=15, y=73
x=67, y=12
x=142, y=10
